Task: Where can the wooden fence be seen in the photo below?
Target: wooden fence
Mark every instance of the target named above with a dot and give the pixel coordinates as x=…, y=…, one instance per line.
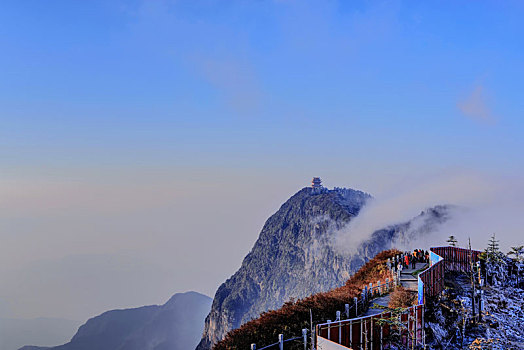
x=431, y=280
x=375, y=332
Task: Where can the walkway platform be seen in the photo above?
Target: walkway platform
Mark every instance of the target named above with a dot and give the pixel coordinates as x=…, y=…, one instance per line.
x=407, y=280
x=382, y=301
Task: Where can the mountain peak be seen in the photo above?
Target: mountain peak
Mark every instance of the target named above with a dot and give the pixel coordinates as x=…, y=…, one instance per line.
x=188, y=296
x=292, y=258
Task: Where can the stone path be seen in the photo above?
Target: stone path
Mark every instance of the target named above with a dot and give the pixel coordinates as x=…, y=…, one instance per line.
x=407, y=280
x=383, y=301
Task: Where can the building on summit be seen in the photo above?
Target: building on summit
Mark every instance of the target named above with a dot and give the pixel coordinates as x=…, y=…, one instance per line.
x=316, y=185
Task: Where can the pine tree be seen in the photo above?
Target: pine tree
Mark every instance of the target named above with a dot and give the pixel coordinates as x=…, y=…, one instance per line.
x=518, y=251
x=493, y=247
x=452, y=241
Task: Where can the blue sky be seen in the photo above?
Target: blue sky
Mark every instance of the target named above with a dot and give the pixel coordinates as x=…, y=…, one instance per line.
x=106, y=78
x=117, y=114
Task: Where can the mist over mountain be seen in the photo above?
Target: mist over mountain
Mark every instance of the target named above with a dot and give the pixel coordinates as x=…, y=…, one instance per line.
x=407, y=235
x=296, y=255
x=176, y=325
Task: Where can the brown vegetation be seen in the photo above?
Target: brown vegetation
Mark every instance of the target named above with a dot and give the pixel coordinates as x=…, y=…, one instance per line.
x=401, y=297
x=293, y=316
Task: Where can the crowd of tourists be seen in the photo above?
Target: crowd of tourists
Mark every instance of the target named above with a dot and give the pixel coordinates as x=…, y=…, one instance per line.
x=410, y=259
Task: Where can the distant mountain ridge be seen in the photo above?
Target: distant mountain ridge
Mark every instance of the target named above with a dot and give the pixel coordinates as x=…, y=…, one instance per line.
x=294, y=256
x=176, y=325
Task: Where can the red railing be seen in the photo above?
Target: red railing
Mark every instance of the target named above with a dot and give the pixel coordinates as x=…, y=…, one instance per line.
x=371, y=333
x=431, y=281
x=457, y=259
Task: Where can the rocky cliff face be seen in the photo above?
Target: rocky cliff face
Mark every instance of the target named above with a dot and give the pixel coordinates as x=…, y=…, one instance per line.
x=292, y=258
x=175, y=325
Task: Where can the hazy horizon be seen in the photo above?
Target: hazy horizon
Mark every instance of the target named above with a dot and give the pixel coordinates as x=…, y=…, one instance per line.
x=145, y=143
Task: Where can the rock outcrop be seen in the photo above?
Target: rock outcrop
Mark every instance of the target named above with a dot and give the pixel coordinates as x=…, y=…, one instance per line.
x=292, y=258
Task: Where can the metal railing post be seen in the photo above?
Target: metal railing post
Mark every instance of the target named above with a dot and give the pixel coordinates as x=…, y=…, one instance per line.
x=253, y=346
x=304, y=335
x=351, y=333
x=361, y=330
x=281, y=341
x=313, y=337
x=339, y=328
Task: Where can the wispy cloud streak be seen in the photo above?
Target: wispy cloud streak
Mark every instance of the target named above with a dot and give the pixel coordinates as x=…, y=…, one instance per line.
x=475, y=106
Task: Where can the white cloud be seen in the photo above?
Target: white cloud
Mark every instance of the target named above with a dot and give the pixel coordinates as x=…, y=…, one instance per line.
x=492, y=205
x=475, y=106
